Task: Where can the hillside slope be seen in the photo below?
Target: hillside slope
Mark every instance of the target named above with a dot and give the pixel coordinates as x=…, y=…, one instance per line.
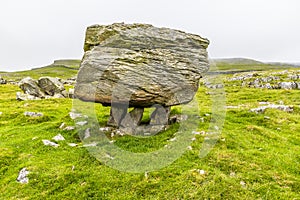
x=255, y=157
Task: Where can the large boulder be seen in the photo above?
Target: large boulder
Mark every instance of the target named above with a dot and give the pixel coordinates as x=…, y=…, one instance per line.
x=141, y=65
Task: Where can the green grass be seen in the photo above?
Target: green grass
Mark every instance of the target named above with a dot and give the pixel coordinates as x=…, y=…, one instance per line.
x=262, y=152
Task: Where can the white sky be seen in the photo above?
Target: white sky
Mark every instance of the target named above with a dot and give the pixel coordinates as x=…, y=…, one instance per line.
x=36, y=32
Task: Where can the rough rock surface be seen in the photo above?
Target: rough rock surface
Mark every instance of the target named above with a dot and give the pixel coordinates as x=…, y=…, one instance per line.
x=51, y=86
x=45, y=87
x=140, y=64
x=30, y=86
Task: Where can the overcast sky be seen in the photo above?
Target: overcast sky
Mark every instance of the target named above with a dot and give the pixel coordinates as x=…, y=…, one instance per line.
x=35, y=32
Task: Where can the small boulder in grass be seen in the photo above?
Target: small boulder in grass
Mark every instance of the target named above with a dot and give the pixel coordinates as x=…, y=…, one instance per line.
x=33, y=114
x=69, y=128
x=22, y=178
x=58, y=137
x=49, y=143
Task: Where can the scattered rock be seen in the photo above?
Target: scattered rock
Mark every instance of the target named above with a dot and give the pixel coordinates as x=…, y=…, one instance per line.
x=71, y=93
x=62, y=125
x=33, y=114
x=69, y=128
x=94, y=144
x=72, y=144
x=242, y=183
x=232, y=174
x=74, y=115
x=105, y=129
x=2, y=81
x=109, y=156
x=49, y=143
x=70, y=81
x=202, y=172
x=262, y=109
x=147, y=130
x=22, y=178
x=263, y=103
x=87, y=133
x=232, y=107
x=213, y=86
x=287, y=85
x=267, y=81
x=82, y=123
x=199, y=133
x=58, y=137
x=25, y=97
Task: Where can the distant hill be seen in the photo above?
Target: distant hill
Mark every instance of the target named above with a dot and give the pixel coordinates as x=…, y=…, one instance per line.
x=239, y=61
x=233, y=65
x=59, y=68
x=66, y=68
x=68, y=63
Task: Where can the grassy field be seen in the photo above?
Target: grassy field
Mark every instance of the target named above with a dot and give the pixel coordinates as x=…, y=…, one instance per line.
x=256, y=156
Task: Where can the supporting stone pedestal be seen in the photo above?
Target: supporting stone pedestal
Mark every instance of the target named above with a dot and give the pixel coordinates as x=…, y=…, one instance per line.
x=133, y=118
x=160, y=116
x=130, y=122
x=117, y=113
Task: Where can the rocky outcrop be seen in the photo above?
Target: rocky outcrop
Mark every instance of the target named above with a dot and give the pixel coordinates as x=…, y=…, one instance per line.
x=51, y=86
x=31, y=87
x=139, y=65
x=287, y=80
x=45, y=87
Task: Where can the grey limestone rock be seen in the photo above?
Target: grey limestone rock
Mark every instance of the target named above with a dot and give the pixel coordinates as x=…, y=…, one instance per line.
x=140, y=64
x=44, y=88
x=31, y=87
x=51, y=86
